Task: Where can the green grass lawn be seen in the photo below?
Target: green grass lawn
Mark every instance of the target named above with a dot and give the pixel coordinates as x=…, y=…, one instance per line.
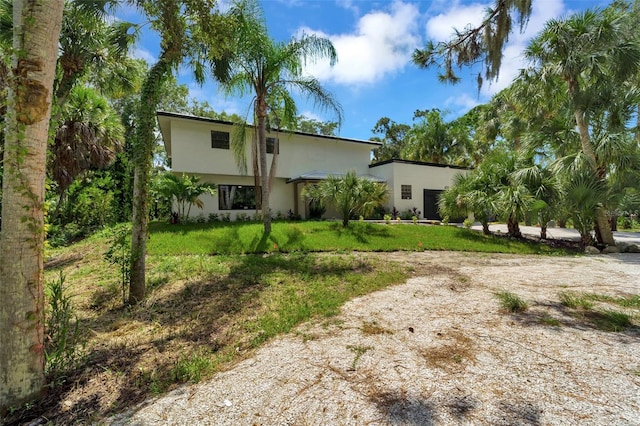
x=288, y=237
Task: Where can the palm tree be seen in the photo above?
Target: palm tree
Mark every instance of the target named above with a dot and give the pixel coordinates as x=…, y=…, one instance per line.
x=35, y=50
x=431, y=140
x=544, y=186
x=350, y=195
x=470, y=193
x=593, y=53
x=271, y=71
x=186, y=190
x=89, y=135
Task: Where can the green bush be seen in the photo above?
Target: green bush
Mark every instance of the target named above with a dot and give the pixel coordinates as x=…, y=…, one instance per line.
x=62, y=332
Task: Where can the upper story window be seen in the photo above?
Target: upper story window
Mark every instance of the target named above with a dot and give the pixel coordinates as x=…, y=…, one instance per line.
x=219, y=140
x=271, y=145
x=405, y=192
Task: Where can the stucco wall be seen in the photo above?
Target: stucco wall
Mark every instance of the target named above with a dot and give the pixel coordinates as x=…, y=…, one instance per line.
x=191, y=152
x=419, y=176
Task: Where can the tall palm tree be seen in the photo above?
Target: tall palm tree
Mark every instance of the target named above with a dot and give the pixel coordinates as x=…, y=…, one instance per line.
x=592, y=52
x=271, y=71
x=36, y=26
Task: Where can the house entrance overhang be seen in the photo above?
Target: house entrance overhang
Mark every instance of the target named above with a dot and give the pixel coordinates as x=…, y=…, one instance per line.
x=315, y=177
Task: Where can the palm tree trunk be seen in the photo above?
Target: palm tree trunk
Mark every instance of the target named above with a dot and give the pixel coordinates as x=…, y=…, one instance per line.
x=603, y=231
x=35, y=46
x=262, y=154
x=256, y=171
x=514, y=227
x=485, y=228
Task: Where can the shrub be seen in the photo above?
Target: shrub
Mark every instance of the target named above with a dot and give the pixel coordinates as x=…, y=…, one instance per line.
x=119, y=253
x=62, y=342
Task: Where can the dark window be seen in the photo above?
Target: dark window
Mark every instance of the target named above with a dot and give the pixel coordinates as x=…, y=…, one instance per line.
x=271, y=144
x=405, y=192
x=236, y=197
x=219, y=140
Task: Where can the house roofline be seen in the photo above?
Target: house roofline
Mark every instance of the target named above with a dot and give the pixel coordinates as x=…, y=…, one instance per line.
x=418, y=163
x=231, y=123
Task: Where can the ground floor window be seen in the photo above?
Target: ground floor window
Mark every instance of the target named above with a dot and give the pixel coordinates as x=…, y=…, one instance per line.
x=405, y=192
x=236, y=197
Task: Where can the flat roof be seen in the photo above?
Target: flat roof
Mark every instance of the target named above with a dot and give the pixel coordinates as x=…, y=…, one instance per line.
x=418, y=163
x=318, y=175
x=231, y=123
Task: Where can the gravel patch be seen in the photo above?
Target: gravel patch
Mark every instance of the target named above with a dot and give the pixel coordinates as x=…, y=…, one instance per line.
x=438, y=350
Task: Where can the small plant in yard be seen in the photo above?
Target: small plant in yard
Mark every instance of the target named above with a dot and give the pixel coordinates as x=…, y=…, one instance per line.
x=511, y=302
x=62, y=336
x=414, y=219
x=387, y=219
x=575, y=300
x=468, y=223
x=358, y=351
x=192, y=368
x=119, y=253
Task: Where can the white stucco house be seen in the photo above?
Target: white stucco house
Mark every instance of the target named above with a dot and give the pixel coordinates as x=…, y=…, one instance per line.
x=200, y=146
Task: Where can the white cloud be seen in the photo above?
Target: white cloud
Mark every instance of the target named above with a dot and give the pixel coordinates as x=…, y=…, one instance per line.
x=311, y=116
x=461, y=103
x=381, y=44
x=349, y=5
x=441, y=26
x=140, y=53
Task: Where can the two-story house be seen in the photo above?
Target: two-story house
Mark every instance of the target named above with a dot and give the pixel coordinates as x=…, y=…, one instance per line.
x=201, y=146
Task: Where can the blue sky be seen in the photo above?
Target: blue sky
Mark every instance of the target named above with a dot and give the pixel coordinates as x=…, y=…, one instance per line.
x=374, y=76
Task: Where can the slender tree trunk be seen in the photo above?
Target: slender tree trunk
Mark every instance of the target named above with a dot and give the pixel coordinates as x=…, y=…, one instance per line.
x=143, y=152
x=35, y=42
x=256, y=171
x=262, y=154
x=603, y=231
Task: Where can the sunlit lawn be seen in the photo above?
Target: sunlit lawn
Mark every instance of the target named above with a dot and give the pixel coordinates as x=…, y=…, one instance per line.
x=239, y=238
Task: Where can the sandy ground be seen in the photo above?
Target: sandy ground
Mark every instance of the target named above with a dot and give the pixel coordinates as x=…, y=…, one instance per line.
x=438, y=350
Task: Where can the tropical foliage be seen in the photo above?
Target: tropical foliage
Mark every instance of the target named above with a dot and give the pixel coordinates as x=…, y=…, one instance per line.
x=270, y=71
x=185, y=190
x=349, y=195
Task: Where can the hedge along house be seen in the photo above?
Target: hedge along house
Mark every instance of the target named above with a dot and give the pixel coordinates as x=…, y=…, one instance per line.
x=201, y=146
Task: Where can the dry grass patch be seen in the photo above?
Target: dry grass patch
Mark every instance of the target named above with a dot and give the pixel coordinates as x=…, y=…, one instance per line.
x=373, y=328
x=453, y=353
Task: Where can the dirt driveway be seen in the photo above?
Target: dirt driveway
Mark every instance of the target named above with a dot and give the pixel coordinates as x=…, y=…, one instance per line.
x=439, y=350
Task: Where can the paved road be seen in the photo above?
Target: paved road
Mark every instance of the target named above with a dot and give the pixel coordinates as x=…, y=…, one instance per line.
x=563, y=233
